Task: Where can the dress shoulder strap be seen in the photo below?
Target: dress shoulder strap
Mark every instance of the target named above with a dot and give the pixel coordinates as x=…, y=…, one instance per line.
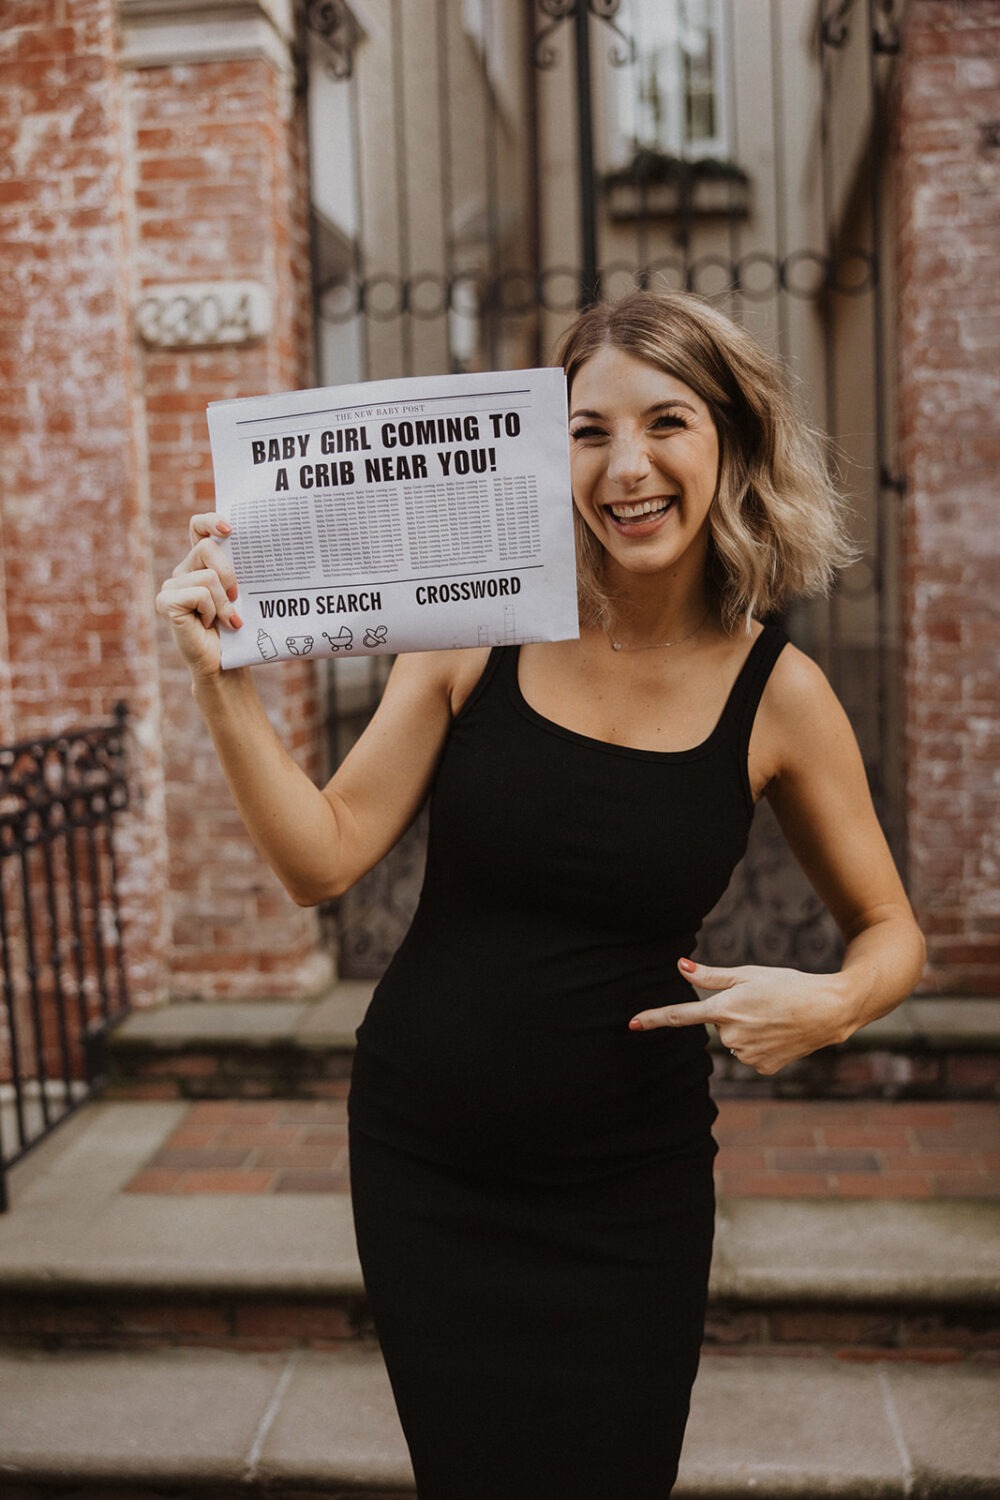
x=750, y=684
x=748, y=689
x=492, y=670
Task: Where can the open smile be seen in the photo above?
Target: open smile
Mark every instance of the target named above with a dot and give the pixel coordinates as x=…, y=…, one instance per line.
x=640, y=515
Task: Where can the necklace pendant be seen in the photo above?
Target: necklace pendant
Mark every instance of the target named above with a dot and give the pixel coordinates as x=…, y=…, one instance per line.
x=616, y=645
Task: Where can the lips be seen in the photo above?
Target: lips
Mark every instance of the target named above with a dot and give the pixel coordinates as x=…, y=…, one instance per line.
x=639, y=515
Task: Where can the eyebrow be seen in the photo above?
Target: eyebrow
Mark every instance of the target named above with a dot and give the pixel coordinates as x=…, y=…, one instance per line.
x=585, y=411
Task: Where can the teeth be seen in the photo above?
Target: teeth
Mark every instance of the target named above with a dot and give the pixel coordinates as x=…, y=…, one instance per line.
x=641, y=508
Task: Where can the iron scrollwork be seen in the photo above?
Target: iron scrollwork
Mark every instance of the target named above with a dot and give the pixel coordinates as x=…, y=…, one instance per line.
x=835, y=27
x=82, y=771
x=885, y=28
x=806, y=274
x=332, y=22
x=621, y=53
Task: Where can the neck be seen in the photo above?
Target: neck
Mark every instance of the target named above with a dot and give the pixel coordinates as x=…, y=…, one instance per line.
x=652, y=611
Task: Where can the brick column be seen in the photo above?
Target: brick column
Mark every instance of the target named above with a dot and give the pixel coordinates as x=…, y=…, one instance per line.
x=949, y=331
x=77, y=631
x=221, y=193
x=8, y=734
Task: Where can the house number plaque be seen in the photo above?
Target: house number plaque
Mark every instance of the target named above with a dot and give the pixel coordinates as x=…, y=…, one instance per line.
x=197, y=314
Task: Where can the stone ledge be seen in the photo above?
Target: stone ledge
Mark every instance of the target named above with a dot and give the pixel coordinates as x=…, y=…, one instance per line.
x=278, y=1049
x=928, y=1049
x=162, y=33
x=925, y=1049
x=331, y=1019
x=72, y=1227
x=64, y=1317
x=223, y=1424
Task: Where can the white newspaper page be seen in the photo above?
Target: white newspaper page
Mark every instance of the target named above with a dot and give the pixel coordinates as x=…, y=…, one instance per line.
x=401, y=515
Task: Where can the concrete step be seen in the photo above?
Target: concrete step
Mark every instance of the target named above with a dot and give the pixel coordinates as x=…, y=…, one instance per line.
x=278, y=1049
x=207, y=1423
x=84, y=1262
x=927, y=1049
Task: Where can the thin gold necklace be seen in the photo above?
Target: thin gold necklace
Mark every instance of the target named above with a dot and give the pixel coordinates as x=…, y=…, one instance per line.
x=662, y=645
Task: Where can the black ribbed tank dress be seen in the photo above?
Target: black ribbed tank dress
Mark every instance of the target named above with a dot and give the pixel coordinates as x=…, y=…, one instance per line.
x=532, y=1182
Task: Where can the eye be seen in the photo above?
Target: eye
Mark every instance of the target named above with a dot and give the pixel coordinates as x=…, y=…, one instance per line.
x=579, y=434
x=668, y=420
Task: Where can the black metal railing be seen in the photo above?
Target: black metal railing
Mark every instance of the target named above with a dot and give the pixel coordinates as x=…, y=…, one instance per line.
x=63, y=972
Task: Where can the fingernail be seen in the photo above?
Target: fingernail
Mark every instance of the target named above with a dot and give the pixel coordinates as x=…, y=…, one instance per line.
x=235, y=621
x=635, y=1024
x=686, y=965
x=233, y=593
x=224, y=527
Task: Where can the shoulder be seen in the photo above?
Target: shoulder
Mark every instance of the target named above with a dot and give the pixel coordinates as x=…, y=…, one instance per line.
x=801, y=720
x=796, y=682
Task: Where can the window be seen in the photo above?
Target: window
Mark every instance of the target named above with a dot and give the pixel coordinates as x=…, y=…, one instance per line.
x=673, y=97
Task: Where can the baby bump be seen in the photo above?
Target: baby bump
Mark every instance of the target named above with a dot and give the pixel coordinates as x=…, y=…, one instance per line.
x=515, y=1081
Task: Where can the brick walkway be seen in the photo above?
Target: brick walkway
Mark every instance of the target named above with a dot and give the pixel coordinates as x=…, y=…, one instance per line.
x=770, y=1148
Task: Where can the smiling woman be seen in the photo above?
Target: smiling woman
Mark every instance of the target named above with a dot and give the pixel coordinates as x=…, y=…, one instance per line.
x=531, y=1147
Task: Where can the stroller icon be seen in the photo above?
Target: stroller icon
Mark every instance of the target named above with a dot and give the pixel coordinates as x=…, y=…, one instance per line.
x=342, y=641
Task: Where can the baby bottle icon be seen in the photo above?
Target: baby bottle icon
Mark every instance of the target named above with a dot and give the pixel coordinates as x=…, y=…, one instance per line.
x=266, y=646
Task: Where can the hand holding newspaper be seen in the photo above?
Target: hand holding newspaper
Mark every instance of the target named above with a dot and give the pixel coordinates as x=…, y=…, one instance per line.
x=401, y=515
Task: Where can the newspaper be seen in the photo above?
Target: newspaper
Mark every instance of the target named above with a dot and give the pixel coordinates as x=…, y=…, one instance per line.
x=398, y=515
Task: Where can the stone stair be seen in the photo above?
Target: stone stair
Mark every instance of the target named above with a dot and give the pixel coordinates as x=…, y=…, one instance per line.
x=926, y=1049
x=218, y=1345
x=208, y=1425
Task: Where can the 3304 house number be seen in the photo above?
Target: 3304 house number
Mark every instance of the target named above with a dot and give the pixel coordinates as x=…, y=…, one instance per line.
x=194, y=314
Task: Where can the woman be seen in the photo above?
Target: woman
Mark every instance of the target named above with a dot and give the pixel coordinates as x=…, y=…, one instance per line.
x=530, y=1115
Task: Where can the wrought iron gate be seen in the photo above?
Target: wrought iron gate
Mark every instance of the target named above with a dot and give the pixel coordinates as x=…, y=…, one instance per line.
x=62, y=969
x=482, y=168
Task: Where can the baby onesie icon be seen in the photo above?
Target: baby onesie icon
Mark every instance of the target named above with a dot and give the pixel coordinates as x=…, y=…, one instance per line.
x=300, y=645
x=375, y=635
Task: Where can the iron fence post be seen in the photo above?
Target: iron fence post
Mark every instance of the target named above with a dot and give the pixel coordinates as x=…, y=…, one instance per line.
x=590, y=276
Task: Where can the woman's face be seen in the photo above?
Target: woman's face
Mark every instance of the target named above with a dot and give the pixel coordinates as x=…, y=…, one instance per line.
x=644, y=458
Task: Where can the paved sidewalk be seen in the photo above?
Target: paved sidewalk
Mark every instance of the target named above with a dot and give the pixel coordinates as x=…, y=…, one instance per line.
x=775, y=1148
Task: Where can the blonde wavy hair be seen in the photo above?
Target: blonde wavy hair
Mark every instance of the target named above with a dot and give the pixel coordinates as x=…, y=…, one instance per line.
x=777, y=520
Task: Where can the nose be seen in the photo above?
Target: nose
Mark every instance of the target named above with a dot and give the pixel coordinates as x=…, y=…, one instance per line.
x=628, y=459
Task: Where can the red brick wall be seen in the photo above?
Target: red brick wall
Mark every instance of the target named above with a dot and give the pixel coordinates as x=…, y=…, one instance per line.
x=73, y=514
x=219, y=194
x=949, y=263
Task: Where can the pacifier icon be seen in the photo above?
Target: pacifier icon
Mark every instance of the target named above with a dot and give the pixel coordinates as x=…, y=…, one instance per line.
x=375, y=635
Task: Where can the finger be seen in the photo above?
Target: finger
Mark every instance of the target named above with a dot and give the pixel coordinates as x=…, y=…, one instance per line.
x=205, y=532
x=199, y=593
x=705, y=978
x=695, y=1013
x=209, y=580
x=208, y=523
x=208, y=556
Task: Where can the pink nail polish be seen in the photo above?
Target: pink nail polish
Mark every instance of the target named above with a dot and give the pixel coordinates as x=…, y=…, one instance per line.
x=686, y=965
x=235, y=621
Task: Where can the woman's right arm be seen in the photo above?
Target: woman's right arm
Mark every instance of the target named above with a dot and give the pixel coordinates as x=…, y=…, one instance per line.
x=317, y=841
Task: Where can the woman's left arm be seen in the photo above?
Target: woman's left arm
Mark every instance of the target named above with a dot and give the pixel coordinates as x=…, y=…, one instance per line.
x=804, y=754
